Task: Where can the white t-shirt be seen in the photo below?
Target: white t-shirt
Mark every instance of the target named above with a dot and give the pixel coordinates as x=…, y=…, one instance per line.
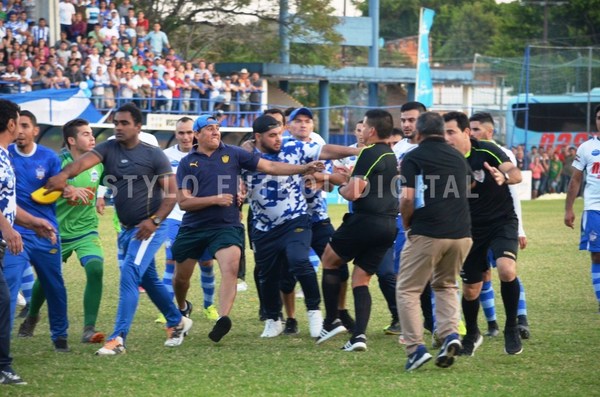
x=175, y=155
x=588, y=159
x=65, y=13
x=401, y=148
x=514, y=192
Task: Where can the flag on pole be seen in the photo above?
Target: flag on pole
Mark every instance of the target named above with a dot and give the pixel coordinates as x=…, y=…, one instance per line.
x=424, y=85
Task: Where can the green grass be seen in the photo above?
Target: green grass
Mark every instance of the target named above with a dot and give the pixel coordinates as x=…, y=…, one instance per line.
x=560, y=359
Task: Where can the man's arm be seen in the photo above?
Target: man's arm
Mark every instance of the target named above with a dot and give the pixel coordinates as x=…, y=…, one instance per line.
x=277, y=168
x=147, y=226
x=14, y=243
x=506, y=168
x=353, y=189
x=188, y=202
x=40, y=226
x=59, y=181
x=572, y=193
x=334, y=152
x=407, y=206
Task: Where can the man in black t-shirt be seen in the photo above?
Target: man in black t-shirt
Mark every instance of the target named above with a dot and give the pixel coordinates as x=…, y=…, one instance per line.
x=494, y=227
x=435, y=214
x=367, y=233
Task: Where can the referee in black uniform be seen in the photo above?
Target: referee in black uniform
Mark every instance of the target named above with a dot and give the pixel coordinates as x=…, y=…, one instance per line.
x=494, y=227
x=365, y=234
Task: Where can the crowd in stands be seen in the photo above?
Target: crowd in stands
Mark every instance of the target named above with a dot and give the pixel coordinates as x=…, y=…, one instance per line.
x=551, y=169
x=112, y=50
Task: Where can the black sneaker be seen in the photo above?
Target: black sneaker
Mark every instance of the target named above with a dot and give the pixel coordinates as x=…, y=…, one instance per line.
x=512, y=341
x=356, y=344
x=61, y=345
x=221, y=328
x=28, y=326
x=9, y=377
x=291, y=327
x=188, y=309
x=523, y=326
x=470, y=343
x=493, y=329
x=346, y=320
x=330, y=330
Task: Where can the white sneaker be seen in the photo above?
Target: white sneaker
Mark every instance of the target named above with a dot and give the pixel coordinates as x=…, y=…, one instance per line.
x=273, y=328
x=242, y=287
x=21, y=300
x=112, y=347
x=315, y=323
x=175, y=334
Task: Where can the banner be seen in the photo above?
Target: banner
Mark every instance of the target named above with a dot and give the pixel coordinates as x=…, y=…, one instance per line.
x=57, y=106
x=424, y=85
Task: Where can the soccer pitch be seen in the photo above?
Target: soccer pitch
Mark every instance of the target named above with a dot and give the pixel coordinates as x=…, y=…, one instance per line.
x=559, y=359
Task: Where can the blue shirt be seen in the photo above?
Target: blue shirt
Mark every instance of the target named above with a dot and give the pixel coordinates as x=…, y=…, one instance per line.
x=277, y=199
x=212, y=175
x=8, y=198
x=316, y=200
x=33, y=171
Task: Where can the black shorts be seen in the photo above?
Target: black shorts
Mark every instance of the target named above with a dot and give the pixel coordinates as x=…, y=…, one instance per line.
x=364, y=238
x=500, y=237
x=190, y=243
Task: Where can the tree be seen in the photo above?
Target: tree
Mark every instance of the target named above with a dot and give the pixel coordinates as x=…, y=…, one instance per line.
x=247, y=30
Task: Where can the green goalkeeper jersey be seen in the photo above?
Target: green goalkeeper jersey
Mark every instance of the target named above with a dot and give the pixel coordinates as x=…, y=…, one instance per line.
x=76, y=218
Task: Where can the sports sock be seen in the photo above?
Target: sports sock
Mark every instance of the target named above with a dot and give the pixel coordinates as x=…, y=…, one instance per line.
x=522, y=311
x=362, y=309
x=27, y=282
x=94, y=269
x=596, y=279
x=487, y=301
x=387, y=285
x=37, y=299
x=207, y=281
x=470, y=311
x=331, y=291
x=168, y=278
x=510, y=297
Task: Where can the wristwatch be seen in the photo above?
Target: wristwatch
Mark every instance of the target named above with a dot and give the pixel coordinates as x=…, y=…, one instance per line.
x=156, y=220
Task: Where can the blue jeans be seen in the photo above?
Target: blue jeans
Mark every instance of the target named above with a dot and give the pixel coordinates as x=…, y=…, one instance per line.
x=139, y=268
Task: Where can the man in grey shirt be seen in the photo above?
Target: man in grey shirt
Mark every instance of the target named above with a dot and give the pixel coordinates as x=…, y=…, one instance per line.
x=143, y=185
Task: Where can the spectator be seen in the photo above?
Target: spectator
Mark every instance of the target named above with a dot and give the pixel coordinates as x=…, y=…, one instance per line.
x=66, y=15
x=142, y=27
x=567, y=171
x=108, y=32
x=23, y=27
x=104, y=13
x=101, y=80
x=129, y=17
x=197, y=93
x=40, y=32
x=124, y=7
x=144, y=88
x=537, y=169
x=554, y=172
x=216, y=94
x=157, y=40
x=10, y=80
x=114, y=17
x=92, y=15
x=78, y=27
x=59, y=80
x=74, y=73
x=158, y=86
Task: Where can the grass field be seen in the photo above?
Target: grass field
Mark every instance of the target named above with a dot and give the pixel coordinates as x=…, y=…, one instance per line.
x=560, y=359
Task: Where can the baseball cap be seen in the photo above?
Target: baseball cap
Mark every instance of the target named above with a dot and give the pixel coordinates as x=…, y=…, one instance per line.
x=203, y=121
x=304, y=111
x=264, y=123
x=244, y=71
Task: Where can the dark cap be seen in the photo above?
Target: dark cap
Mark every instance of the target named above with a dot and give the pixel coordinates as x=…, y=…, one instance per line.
x=264, y=123
x=304, y=111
